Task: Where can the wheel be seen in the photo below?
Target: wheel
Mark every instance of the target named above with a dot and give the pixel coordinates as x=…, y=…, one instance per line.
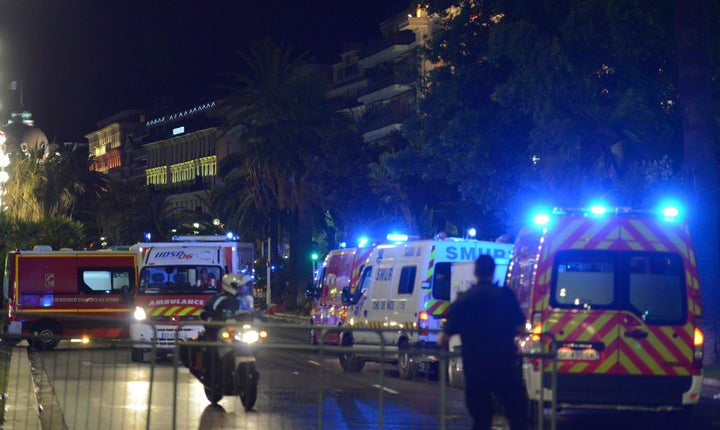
x=348, y=360
x=136, y=355
x=456, y=377
x=407, y=367
x=247, y=383
x=46, y=335
x=351, y=363
x=214, y=396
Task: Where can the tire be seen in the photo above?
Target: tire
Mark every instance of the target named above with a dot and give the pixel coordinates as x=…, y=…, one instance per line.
x=214, y=396
x=407, y=367
x=456, y=377
x=247, y=384
x=351, y=363
x=136, y=355
x=46, y=335
x=348, y=360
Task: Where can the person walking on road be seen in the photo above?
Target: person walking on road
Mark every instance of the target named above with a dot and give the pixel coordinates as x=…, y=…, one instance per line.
x=487, y=318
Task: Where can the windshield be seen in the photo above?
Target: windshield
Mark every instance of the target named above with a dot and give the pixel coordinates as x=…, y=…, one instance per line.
x=179, y=280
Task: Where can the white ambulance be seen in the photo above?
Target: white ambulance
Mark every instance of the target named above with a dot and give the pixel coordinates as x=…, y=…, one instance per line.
x=404, y=290
x=176, y=279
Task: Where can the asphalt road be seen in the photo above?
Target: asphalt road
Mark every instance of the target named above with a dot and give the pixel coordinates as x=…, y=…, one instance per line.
x=100, y=387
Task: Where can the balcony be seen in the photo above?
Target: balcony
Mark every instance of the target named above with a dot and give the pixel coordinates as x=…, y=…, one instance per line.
x=381, y=132
x=385, y=88
x=387, y=49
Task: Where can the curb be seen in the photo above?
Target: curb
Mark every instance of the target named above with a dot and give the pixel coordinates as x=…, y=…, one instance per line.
x=290, y=318
x=22, y=410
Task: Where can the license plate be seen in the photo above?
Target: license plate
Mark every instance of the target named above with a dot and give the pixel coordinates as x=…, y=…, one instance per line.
x=167, y=335
x=578, y=354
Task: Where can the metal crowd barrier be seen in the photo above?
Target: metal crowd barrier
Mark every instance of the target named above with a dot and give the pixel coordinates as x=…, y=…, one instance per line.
x=96, y=385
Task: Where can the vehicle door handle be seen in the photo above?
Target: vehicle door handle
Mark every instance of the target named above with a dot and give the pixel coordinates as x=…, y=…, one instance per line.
x=636, y=334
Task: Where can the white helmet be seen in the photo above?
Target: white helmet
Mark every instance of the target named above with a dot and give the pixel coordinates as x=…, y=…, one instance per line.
x=230, y=283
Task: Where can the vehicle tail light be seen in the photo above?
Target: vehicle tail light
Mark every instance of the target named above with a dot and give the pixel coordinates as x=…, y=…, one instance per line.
x=424, y=323
x=10, y=313
x=698, y=346
x=536, y=328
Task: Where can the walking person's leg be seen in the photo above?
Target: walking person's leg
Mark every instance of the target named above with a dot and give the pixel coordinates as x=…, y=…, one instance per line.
x=509, y=388
x=478, y=400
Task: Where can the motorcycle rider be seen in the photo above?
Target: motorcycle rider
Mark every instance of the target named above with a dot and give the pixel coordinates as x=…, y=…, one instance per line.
x=223, y=305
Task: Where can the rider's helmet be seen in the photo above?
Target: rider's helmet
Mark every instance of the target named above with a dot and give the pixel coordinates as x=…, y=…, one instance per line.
x=231, y=282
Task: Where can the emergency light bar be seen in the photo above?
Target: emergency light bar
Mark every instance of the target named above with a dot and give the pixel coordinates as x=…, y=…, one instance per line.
x=397, y=237
x=667, y=213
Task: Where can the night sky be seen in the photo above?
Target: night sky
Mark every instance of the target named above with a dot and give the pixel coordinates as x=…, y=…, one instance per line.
x=81, y=61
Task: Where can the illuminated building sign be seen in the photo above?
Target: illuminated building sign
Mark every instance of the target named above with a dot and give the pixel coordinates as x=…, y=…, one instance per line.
x=179, y=115
x=178, y=130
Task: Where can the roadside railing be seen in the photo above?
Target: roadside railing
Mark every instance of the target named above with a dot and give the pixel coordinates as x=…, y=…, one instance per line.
x=97, y=385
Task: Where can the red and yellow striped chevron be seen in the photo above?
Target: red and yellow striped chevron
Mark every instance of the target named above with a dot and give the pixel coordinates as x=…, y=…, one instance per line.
x=666, y=350
x=180, y=311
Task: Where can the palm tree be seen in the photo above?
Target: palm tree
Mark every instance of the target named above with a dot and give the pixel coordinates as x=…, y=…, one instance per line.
x=285, y=122
x=128, y=210
x=27, y=177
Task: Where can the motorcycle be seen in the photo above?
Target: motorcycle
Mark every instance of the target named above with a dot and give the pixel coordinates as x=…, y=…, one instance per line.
x=225, y=361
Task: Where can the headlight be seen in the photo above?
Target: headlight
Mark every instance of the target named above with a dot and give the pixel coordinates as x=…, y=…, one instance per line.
x=139, y=314
x=249, y=336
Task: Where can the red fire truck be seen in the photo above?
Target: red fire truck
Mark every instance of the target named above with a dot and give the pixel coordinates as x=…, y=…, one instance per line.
x=176, y=279
x=78, y=295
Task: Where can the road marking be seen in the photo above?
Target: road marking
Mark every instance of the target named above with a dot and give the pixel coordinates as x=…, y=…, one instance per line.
x=314, y=362
x=391, y=391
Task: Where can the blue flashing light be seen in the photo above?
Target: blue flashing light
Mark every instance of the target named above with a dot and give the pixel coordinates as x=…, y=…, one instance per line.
x=342, y=245
x=472, y=232
x=671, y=212
x=541, y=219
x=396, y=237
x=598, y=210
x=230, y=235
x=148, y=237
x=363, y=241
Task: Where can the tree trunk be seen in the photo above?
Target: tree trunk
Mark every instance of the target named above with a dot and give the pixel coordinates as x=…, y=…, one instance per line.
x=700, y=154
x=300, y=267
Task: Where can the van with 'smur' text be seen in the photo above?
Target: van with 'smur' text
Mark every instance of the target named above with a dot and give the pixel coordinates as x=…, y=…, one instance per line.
x=404, y=288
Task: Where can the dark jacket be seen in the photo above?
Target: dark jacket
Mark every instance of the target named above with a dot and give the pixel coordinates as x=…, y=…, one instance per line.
x=487, y=318
x=220, y=307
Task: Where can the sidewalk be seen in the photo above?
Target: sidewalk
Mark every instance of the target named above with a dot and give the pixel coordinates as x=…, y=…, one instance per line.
x=22, y=411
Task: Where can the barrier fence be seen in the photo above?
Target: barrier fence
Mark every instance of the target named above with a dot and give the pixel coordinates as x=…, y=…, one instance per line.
x=97, y=385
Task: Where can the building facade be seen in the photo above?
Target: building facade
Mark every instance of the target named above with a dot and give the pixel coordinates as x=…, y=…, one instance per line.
x=379, y=83
x=107, y=145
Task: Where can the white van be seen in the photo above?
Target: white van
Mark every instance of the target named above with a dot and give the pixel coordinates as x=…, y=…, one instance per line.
x=405, y=287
